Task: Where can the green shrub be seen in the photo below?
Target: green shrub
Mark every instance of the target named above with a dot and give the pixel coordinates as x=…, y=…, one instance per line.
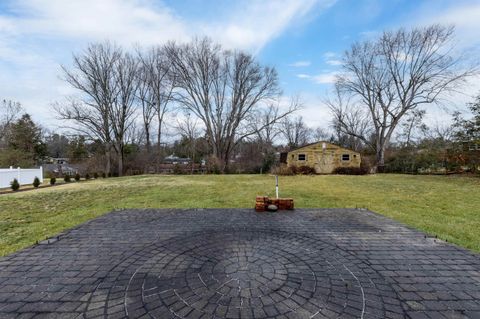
x=15, y=185
x=87, y=176
x=177, y=169
x=95, y=175
x=104, y=175
x=67, y=178
x=303, y=170
x=351, y=170
x=213, y=165
x=77, y=177
x=36, y=182
x=283, y=169
x=293, y=170
x=53, y=180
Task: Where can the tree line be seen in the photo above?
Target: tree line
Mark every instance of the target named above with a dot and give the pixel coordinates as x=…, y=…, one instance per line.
x=388, y=79
x=224, y=90
x=227, y=107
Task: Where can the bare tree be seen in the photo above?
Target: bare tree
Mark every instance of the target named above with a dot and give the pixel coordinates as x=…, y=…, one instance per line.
x=9, y=112
x=295, y=131
x=396, y=74
x=93, y=75
x=440, y=131
x=320, y=134
x=267, y=131
x=122, y=113
x=411, y=124
x=189, y=129
x=146, y=101
x=135, y=134
x=105, y=76
x=156, y=90
x=264, y=125
x=351, y=123
x=223, y=89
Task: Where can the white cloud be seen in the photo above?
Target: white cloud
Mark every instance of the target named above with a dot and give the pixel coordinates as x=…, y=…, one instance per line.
x=332, y=58
x=314, y=112
x=39, y=35
x=247, y=25
x=303, y=76
x=329, y=55
x=252, y=26
x=299, y=64
x=325, y=78
x=123, y=21
x=464, y=17
x=334, y=62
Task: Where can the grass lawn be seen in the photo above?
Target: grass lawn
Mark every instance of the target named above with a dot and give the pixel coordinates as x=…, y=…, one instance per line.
x=445, y=206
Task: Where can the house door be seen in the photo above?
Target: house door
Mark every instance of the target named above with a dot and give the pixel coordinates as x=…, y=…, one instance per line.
x=324, y=163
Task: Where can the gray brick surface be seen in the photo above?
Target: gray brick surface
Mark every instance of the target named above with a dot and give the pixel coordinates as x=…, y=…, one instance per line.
x=235, y=263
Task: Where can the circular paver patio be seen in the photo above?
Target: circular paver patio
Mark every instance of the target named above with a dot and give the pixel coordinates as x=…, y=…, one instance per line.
x=234, y=263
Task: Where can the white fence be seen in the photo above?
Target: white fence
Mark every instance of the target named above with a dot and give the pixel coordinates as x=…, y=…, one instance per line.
x=24, y=176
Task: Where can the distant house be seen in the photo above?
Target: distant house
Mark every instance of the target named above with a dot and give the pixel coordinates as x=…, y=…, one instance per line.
x=60, y=160
x=56, y=160
x=60, y=166
x=471, y=146
x=471, y=155
x=324, y=157
x=60, y=169
x=172, y=159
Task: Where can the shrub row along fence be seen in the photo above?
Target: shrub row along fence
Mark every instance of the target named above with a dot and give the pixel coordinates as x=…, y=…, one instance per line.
x=23, y=176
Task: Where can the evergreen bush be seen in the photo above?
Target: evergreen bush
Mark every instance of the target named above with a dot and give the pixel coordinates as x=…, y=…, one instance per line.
x=282, y=169
x=36, y=182
x=351, y=170
x=302, y=170
x=15, y=185
x=53, y=180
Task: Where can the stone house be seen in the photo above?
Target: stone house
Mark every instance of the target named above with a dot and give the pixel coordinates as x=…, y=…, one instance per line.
x=324, y=157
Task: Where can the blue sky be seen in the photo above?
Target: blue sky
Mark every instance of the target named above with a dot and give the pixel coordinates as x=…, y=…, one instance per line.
x=303, y=39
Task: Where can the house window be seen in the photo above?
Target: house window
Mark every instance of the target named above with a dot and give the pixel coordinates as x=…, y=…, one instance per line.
x=302, y=157
x=345, y=157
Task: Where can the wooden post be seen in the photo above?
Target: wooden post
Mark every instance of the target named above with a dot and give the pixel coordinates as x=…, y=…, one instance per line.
x=276, y=185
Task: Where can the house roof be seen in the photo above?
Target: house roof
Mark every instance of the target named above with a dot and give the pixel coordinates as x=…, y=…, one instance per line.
x=310, y=144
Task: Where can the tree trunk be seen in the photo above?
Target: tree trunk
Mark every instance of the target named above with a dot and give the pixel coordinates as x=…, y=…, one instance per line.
x=226, y=161
x=147, y=164
x=380, y=159
x=120, y=161
x=225, y=166
x=107, y=159
x=147, y=137
x=159, y=145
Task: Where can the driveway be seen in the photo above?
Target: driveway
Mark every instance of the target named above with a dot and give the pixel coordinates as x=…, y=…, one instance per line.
x=235, y=263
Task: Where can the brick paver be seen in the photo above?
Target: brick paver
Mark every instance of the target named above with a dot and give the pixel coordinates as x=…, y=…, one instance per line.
x=235, y=263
